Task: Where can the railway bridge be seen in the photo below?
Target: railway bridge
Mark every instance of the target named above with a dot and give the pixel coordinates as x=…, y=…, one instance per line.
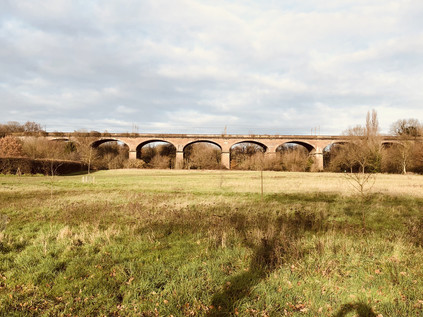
x=315, y=144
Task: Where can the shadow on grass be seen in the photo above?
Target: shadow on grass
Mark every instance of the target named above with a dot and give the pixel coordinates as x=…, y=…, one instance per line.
x=361, y=309
x=277, y=242
x=240, y=285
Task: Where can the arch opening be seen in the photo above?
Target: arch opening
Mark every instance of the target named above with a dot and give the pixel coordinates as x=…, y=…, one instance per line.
x=66, y=146
x=343, y=157
x=95, y=144
x=390, y=144
x=331, y=157
x=110, y=154
x=294, y=157
x=247, y=155
x=297, y=144
x=157, y=154
x=202, y=154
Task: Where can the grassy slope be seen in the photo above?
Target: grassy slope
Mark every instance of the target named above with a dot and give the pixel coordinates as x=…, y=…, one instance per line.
x=161, y=243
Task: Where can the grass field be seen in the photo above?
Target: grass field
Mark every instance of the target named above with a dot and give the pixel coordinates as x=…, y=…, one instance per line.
x=207, y=243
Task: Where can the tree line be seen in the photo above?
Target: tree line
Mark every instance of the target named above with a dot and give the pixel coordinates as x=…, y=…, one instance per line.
x=362, y=152
x=28, y=128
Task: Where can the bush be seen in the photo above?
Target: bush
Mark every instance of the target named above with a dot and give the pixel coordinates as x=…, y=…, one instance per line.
x=16, y=165
x=110, y=155
x=160, y=162
x=202, y=156
x=10, y=146
x=134, y=163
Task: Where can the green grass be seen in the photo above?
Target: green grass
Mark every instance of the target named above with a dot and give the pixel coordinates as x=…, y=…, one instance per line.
x=201, y=243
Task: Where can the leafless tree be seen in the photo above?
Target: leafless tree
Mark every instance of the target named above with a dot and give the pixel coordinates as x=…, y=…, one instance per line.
x=407, y=127
x=112, y=155
x=87, y=153
x=407, y=131
x=363, y=147
x=15, y=127
x=162, y=155
x=202, y=156
x=294, y=158
x=31, y=126
x=247, y=156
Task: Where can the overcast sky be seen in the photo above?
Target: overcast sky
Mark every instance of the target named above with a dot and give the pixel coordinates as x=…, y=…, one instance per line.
x=196, y=66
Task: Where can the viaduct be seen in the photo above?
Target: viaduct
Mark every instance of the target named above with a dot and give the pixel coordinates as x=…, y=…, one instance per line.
x=313, y=143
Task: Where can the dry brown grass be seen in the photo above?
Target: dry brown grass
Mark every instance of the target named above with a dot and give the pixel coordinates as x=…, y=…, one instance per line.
x=297, y=182
x=274, y=182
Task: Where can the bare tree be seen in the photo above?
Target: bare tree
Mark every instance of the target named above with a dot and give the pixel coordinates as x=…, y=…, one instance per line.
x=202, y=156
x=31, y=126
x=341, y=159
x=407, y=127
x=247, y=156
x=407, y=130
x=112, y=155
x=295, y=158
x=162, y=155
x=39, y=148
x=87, y=153
x=363, y=146
x=16, y=127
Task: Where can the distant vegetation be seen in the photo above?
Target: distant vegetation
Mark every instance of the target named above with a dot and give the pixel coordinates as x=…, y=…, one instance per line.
x=29, y=128
x=362, y=151
x=365, y=152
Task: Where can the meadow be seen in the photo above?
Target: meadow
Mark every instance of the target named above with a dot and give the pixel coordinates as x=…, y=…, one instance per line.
x=209, y=243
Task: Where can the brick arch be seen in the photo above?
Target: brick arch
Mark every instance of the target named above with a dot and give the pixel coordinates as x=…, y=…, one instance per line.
x=144, y=143
x=185, y=154
x=310, y=148
x=203, y=141
x=391, y=143
x=229, y=154
x=97, y=143
x=336, y=142
x=327, y=147
x=60, y=139
x=69, y=144
x=264, y=146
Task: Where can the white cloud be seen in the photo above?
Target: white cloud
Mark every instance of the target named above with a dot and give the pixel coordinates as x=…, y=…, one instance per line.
x=263, y=66
x=126, y=110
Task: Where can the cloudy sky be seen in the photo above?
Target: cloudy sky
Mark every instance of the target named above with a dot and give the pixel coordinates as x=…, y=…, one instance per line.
x=196, y=66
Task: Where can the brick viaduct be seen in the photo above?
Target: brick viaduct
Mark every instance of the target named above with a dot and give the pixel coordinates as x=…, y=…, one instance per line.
x=313, y=143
